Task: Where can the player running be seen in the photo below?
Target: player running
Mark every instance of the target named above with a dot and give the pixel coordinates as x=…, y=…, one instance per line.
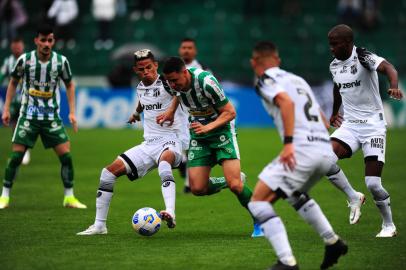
x=162, y=147
x=213, y=137
x=304, y=159
x=41, y=71
x=354, y=72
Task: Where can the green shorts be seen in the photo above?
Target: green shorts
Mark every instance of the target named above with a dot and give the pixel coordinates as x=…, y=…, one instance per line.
x=213, y=149
x=52, y=132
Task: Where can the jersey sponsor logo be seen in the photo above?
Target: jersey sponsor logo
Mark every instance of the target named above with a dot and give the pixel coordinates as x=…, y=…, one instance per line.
x=377, y=143
x=39, y=93
x=26, y=123
x=222, y=138
x=32, y=109
x=169, y=143
x=22, y=133
x=318, y=139
x=156, y=106
x=193, y=143
x=350, y=85
x=358, y=121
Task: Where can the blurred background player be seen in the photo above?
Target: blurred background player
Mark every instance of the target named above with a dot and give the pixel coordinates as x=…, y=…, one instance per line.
x=40, y=71
x=161, y=148
x=213, y=137
x=354, y=72
x=17, y=49
x=304, y=159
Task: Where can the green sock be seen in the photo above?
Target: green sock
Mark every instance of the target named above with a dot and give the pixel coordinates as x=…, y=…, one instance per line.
x=11, y=169
x=216, y=184
x=66, y=170
x=245, y=196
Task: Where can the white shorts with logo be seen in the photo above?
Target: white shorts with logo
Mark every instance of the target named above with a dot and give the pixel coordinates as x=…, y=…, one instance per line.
x=145, y=157
x=310, y=167
x=371, y=138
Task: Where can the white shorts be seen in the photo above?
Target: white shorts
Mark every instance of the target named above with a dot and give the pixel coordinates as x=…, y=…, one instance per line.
x=372, y=141
x=145, y=157
x=310, y=167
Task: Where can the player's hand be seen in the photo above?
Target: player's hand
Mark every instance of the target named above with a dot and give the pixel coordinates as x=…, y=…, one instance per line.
x=6, y=117
x=336, y=120
x=199, y=128
x=74, y=123
x=395, y=93
x=165, y=117
x=134, y=118
x=287, y=157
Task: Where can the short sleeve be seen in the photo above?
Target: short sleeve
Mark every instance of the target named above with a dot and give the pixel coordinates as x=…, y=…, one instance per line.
x=18, y=70
x=268, y=88
x=369, y=60
x=215, y=92
x=66, y=71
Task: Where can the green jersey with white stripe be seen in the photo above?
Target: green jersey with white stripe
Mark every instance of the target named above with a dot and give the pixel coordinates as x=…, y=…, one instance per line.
x=204, y=97
x=40, y=84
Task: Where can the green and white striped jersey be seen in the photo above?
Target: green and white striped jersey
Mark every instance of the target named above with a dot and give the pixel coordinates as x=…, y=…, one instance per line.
x=40, y=84
x=6, y=70
x=204, y=97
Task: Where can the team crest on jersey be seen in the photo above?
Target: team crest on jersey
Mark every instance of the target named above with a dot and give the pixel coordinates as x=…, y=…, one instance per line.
x=156, y=92
x=54, y=74
x=354, y=69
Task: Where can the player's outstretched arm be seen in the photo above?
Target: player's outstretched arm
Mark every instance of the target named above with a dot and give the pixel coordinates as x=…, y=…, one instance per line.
x=287, y=108
x=226, y=114
x=389, y=70
x=70, y=93
x=11, y=90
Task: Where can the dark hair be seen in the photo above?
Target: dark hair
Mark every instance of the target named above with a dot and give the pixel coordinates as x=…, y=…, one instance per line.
x=173, y=64
x=142, y=55
x=265, y=47
x=17, y=39
x=186, y=39
x=44, y=29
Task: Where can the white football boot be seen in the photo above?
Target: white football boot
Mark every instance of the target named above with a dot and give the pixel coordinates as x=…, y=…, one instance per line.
x=388, y=230
x=93, y=230
x=355, y=208
x=168, y=218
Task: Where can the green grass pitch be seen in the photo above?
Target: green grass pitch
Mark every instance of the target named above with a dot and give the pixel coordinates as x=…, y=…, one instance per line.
x=36, y=232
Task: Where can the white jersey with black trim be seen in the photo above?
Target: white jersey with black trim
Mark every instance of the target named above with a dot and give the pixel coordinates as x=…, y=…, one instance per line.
x=357, y=81
x=156, y=99
x=309, y=128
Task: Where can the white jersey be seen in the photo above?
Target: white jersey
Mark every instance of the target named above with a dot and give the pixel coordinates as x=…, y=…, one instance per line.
x=357, y=81
x=309, y=128
x=156, y=99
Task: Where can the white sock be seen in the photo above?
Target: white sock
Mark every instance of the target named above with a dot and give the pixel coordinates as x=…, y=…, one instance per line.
x=5, y=192
x=168, y=186
x=313, y=215
x=385, y=210
x=339, y=180
x=102, y=207
x=274, y=230
x=68, y=192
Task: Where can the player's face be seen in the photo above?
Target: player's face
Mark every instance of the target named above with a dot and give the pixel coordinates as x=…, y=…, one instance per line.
x=146, y=70
x=17, y=48
x=45, y=43
x=178, y=80
x=339, y=47
x=187, y=51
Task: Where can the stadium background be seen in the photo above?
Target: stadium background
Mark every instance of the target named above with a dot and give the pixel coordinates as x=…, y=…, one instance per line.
x=35, y=233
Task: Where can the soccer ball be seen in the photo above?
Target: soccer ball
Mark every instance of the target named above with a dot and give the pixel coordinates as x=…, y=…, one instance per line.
x=146, y=221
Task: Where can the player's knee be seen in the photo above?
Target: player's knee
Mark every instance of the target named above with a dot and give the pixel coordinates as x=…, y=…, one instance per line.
x=66, y=159
x=298, y=200
x=262, y=211
x=374, y=185
x=107, y=180
x=15, y=159
x=334, y=169
x=235, y=186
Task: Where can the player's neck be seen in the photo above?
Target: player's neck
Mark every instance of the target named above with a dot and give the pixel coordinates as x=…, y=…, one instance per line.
x=44, y=57
x=147, y=82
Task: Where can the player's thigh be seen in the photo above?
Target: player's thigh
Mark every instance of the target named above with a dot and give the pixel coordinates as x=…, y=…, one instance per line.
x=231, y=171
x=200, y=154
x=374, y=147
x=318, y=168
x=262, y=192
x=137, y=160
x=198, y=177
x=62, y=148
x=171, y=151
x=118, y=167
x=53, y=133
x=26, y=132
x=345, y=142
x=225, y=145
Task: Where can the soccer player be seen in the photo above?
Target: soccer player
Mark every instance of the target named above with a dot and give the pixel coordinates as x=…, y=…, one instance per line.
x=162, y=146
x=188, y=52
x=354, y=72
x=304, y=159
x=213, y=137
x=41, y=71
x=17, y=49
